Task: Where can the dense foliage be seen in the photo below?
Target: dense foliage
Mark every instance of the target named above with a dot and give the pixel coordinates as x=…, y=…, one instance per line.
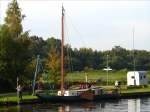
x=18, y=52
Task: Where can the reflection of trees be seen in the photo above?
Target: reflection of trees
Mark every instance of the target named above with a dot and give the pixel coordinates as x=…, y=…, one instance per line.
x=134, y=105
x=88, y=106
x=145, y=101
x=19, y=108
x=84, y=106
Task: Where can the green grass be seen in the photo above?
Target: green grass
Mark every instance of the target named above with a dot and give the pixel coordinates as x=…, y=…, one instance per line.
x=14, y=98
x=92, y=77
x=135, y=90
x=95, y=75
x=124, y=89
x=99, y=74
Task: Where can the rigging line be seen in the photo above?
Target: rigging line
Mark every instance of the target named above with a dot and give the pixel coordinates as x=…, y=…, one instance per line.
x=71, y=63
x=70, y=56
x=67, y=56
x=68, y=51
x=80, y=36
x=41, y=66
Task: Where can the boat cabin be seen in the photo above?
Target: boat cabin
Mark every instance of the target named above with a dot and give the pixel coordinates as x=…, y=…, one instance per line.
x=137, y=78
x=69, y=93
x=95, y=91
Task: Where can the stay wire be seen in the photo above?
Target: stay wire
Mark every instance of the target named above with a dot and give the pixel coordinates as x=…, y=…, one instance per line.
x=69, y=56
x=75, y=29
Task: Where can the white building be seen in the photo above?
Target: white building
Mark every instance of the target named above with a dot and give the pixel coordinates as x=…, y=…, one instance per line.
x=137, y=78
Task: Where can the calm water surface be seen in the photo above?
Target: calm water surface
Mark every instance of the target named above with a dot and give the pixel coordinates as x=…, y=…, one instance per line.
x=124, y=105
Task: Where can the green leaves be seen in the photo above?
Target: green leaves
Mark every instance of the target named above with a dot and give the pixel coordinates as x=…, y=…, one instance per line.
x=13, y=19
x=53, y=66
x=15, y=54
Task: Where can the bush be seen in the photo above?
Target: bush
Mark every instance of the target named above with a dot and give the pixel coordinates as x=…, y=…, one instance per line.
x=136, y=87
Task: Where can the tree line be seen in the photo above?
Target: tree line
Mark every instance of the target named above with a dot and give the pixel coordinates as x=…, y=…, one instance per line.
x=18, y=52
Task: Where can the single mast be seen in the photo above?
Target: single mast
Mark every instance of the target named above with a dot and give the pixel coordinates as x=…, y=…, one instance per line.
x=62, y=53
x=134, y=57
x=35, y=74
x=133, y=52
x=107, y=70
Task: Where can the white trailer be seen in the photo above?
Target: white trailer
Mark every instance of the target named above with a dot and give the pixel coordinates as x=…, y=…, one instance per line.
x=137, y=78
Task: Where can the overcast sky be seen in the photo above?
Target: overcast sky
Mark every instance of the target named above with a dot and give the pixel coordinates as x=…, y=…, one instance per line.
x=100, y=25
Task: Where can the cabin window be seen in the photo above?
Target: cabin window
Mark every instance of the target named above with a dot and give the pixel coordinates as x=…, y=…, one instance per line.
x=93, y=92
x=132, y=77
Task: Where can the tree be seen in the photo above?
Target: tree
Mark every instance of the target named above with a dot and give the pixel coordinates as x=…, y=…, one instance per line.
x=142, y=60
x=118, y=57
x=14, y=18
x=15, y=52
x=53, y=65
x=5, y=47
x=53, y=43
x=14, y=57
x=38, y=46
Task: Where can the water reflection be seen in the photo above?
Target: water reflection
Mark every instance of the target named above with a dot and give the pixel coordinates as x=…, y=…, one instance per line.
x=124, y=105
x=88, y=106
x=82, y=107
x=134, y=105
x=64, y=108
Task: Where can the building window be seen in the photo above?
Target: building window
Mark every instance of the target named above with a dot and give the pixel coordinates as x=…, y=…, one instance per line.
x=141, y=77
x=132, y=77
x=144, y=76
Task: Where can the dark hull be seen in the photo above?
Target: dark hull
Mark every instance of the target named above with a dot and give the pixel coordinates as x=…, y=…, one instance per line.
x=48, y=98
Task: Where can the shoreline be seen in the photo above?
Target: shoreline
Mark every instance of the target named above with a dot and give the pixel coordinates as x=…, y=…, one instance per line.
x=36, y=101
x=23, y=102
x=134, y=95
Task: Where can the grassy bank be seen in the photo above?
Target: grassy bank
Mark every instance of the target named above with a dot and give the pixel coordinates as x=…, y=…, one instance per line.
x=100, y=75
x=14, y=98
x=137, y=90
x=125, y=89
x=93, y=76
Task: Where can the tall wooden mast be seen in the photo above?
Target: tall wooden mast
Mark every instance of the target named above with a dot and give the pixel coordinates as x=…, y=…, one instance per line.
x=62, y=53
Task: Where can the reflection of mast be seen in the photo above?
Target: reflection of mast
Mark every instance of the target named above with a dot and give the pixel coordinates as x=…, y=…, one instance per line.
x=64, y=108
x=62, y=54
x=61, y=108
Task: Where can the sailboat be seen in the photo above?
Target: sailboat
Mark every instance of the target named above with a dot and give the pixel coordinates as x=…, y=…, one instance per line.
x=86, y=94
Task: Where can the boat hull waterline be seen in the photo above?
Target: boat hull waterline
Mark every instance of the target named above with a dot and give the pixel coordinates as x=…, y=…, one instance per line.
x=49, y=98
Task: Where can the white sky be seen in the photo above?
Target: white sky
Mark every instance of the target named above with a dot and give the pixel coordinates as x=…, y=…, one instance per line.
x=97, y=24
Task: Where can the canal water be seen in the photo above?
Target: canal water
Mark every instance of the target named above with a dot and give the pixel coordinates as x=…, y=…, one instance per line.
x=123, y=105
